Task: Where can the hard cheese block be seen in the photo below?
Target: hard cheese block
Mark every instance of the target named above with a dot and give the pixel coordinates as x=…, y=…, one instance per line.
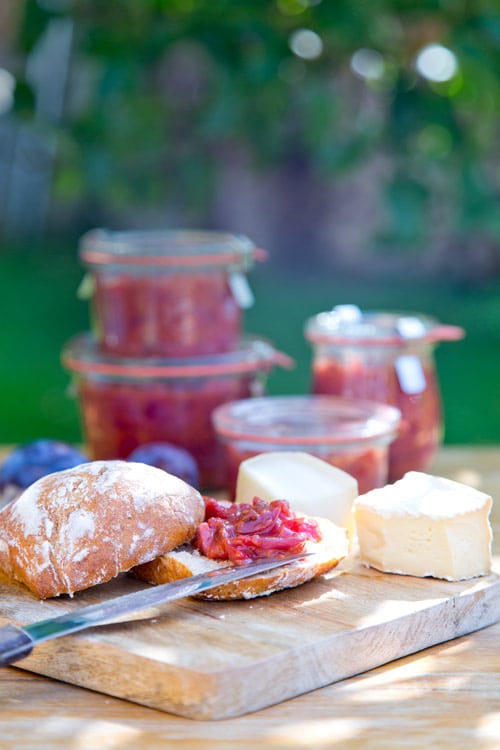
x=424, y=525
x=311, y=485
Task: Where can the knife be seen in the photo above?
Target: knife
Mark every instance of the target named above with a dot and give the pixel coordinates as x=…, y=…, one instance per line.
x=17, y=642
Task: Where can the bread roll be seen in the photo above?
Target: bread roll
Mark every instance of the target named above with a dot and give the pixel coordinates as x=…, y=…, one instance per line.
x=187, y=561
x=82, y=526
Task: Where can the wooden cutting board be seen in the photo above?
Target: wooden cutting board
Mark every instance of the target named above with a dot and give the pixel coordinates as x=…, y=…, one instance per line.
x=214, y=660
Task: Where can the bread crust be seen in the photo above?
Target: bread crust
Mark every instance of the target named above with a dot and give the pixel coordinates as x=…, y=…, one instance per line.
x=188, y=561
x=83, y=526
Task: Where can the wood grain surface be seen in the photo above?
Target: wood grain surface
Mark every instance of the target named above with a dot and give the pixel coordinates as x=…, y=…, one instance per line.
x=212, y=660
x=448, y=695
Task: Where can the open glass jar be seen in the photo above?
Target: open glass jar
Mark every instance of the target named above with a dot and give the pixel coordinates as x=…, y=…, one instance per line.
x=352, y=434
x=167, y=293
x=125, y=403
x=389, y=358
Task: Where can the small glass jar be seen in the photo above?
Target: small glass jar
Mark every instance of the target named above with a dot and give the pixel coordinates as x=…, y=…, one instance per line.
x=386, y=357
x=167, y=293
x=125, y=403
x=353, y=435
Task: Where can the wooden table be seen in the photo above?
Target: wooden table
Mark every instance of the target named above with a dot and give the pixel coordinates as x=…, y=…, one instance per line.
x=445, y=697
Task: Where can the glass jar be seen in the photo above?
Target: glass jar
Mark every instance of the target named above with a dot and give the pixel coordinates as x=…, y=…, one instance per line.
x=352, y=434
x=167, y=293
x=125, y=403
x=389, y=358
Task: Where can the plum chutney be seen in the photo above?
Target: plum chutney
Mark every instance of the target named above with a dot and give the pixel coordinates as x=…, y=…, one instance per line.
x=244, y=532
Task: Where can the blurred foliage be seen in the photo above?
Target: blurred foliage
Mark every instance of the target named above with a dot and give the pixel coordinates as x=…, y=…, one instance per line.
x=162, y=91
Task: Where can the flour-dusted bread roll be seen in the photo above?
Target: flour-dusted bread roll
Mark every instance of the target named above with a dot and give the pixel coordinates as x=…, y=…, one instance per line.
x=82, y=526
x=327, y=551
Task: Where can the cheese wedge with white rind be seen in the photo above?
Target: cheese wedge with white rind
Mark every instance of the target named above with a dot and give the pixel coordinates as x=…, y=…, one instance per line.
x=423, y=525
x=311, y=486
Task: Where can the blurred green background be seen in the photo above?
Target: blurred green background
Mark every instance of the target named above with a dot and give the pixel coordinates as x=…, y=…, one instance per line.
x=356, y=141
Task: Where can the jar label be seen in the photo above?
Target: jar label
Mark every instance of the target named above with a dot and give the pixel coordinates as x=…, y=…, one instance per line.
x=410, y=374
x=240, y=289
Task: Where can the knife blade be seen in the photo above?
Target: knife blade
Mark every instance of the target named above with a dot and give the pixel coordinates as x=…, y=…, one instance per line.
x=18, y=642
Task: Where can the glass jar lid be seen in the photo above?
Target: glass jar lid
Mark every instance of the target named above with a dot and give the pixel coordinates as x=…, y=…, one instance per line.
x=347, y=324
x=168, y=248
x=306, y=421
x=252, y=354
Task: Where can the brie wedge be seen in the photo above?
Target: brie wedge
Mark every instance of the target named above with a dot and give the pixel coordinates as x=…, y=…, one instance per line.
x=423, y=525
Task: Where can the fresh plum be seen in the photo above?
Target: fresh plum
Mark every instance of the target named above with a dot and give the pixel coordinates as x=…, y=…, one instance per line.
x=170, y=458
x=33, y=460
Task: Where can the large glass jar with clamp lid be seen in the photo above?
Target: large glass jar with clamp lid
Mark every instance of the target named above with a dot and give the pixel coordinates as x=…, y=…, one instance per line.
x=387, y=357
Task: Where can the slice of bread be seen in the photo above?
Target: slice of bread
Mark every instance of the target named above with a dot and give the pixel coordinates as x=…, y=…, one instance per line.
x=186, y=561
x=82, y=526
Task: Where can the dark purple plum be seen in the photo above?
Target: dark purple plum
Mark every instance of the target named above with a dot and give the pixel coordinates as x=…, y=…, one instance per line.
x=168, y=457
x=33, y=460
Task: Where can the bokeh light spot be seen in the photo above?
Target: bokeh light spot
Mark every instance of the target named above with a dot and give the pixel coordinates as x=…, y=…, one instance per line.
x=292, y=7
x=7, y=85
x=306, y=44
x=436, y=63
x=435, y=141
x=368, y=64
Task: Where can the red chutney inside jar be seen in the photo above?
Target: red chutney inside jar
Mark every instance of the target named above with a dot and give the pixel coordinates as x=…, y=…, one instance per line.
x=171, y=294
x=350, y=434
x=127, y=403
x=388, y=358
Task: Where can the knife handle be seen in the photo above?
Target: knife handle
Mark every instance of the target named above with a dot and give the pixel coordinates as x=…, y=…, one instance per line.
x=15, y=644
